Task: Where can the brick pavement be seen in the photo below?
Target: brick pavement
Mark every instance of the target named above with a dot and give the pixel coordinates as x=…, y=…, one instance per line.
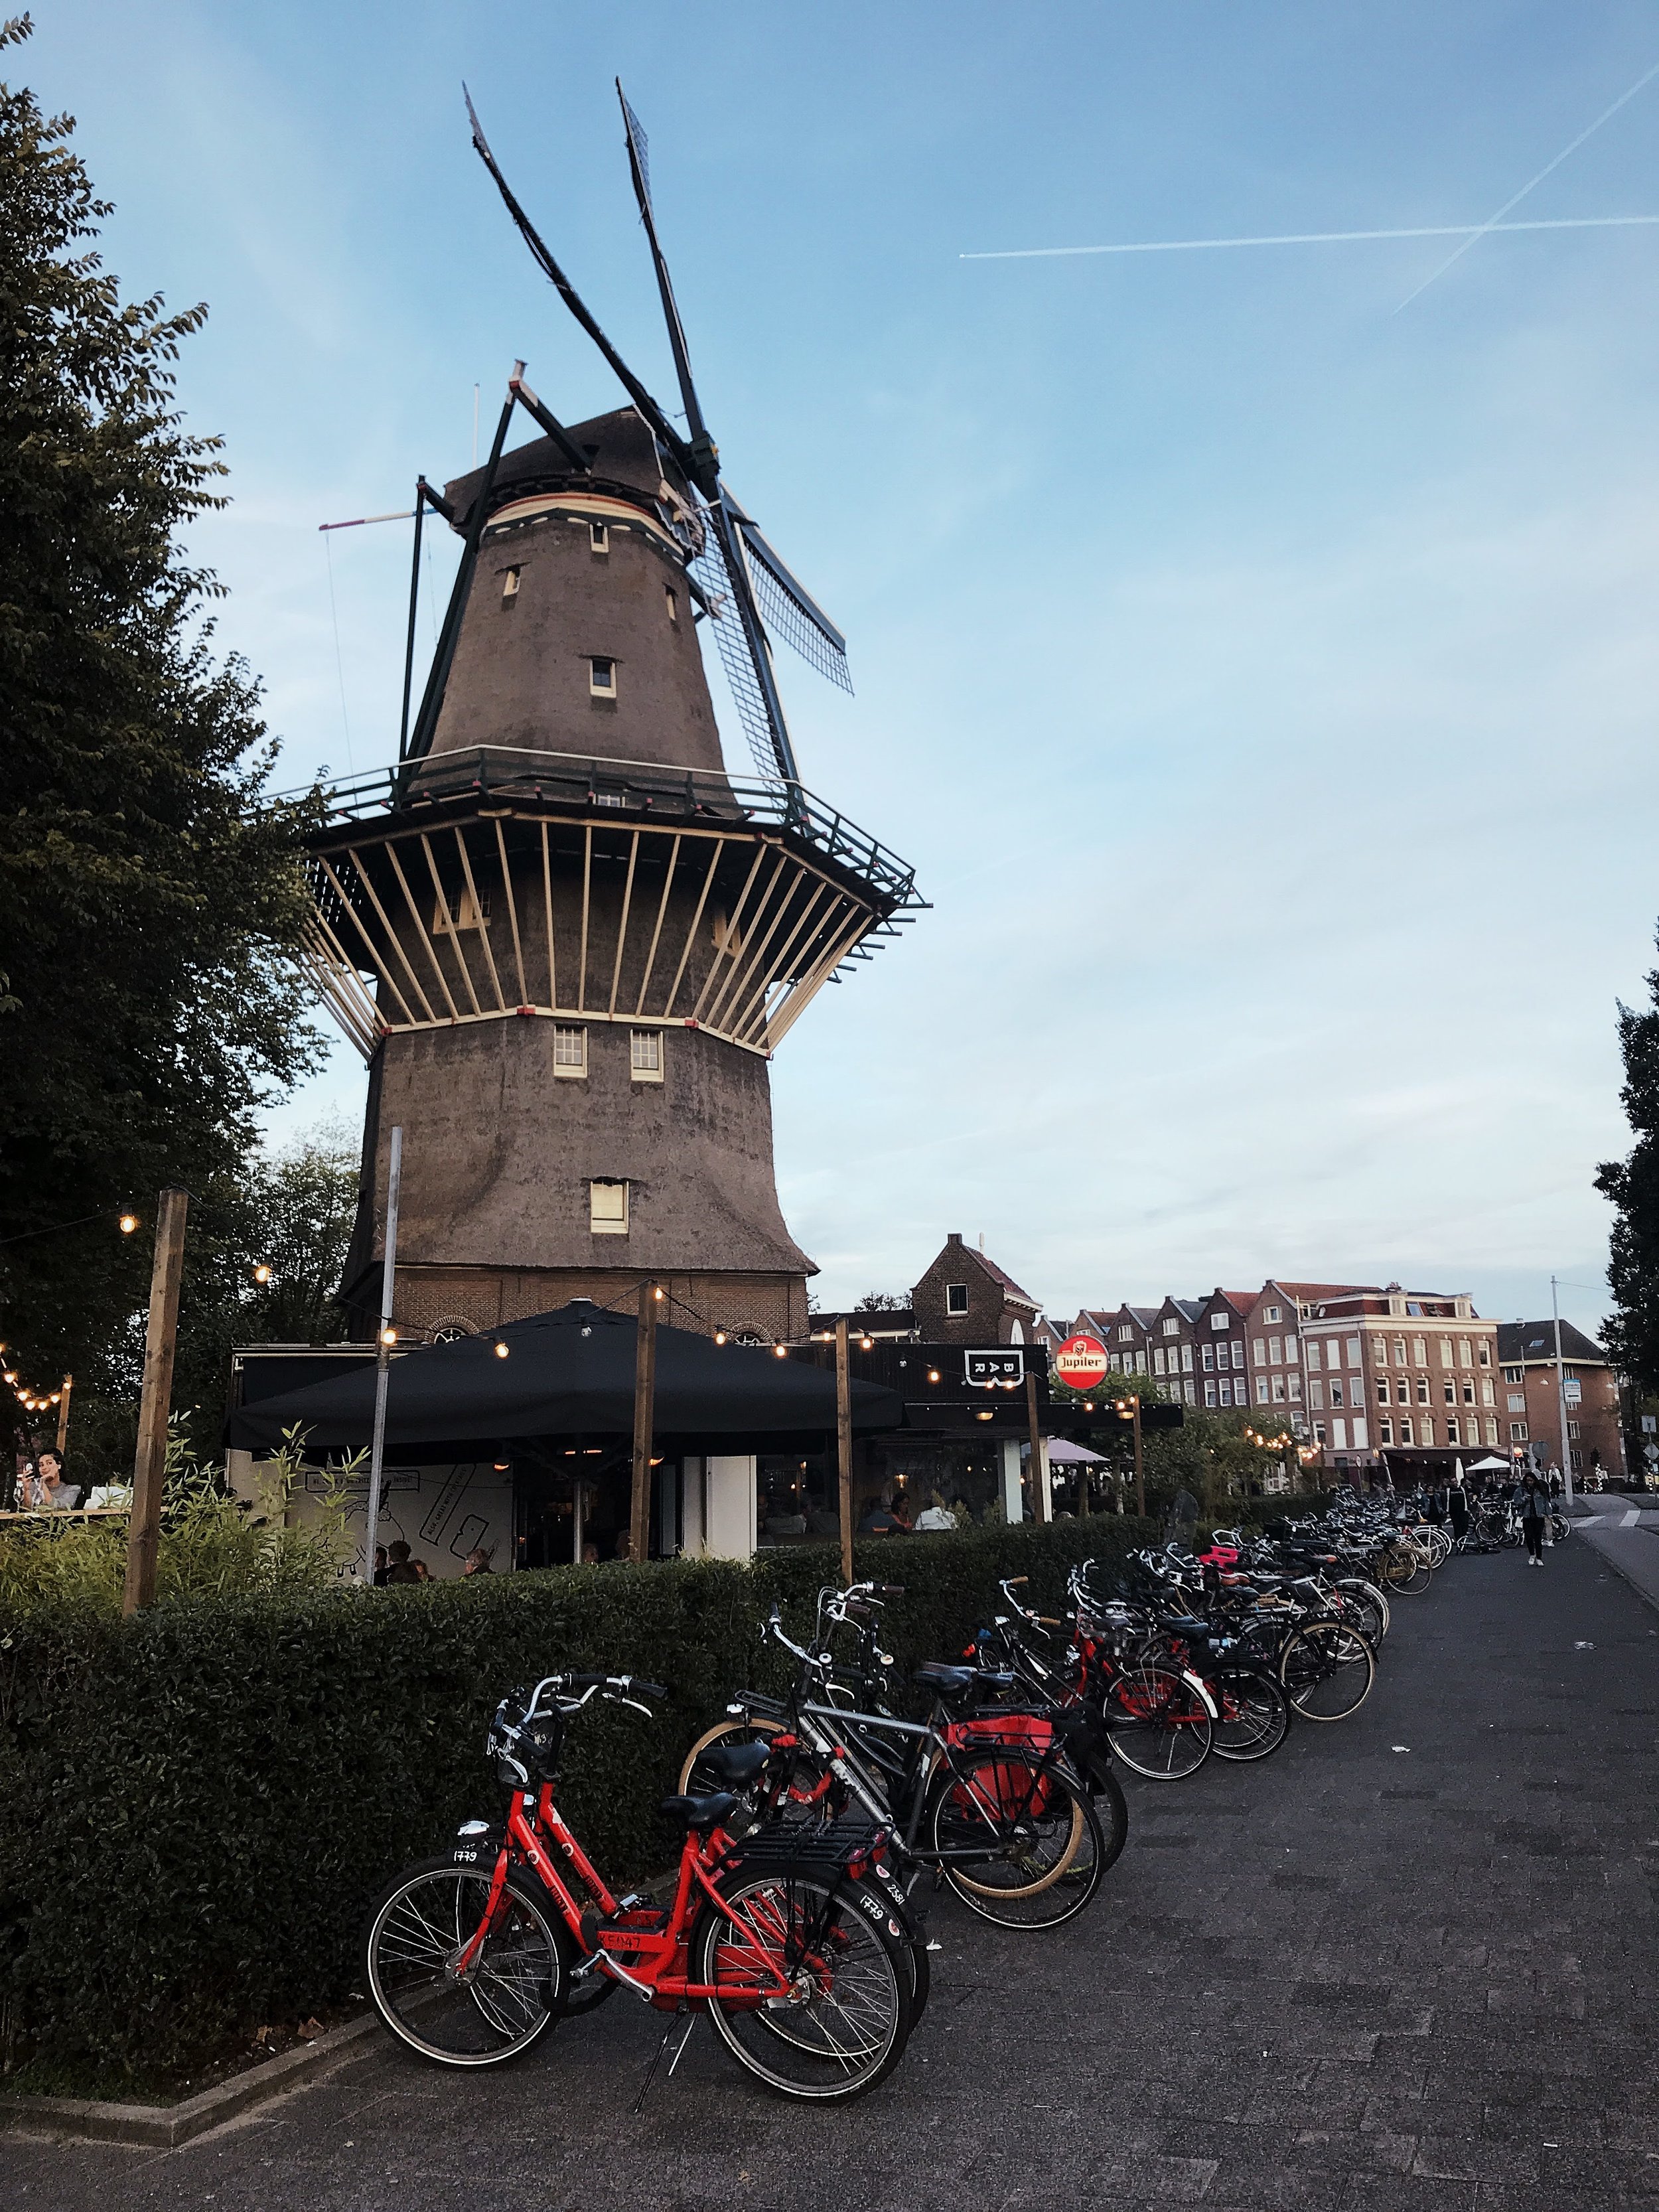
x=1359, y=1978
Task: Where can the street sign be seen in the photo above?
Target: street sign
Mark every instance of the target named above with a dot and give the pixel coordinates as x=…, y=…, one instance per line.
x=991, y=1370
x=1082, y=1361
x=1572, y=1390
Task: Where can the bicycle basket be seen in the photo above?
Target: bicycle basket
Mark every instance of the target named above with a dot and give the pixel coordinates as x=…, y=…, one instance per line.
x=522, y=1753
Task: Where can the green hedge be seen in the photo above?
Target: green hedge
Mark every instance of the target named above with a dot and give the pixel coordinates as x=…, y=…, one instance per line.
x=196, y=1805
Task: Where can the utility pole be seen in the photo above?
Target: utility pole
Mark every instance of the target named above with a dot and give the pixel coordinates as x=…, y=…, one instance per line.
x=844, y=1447
x=386, y=1339
x=1561, y=1394
x=1039, y=1487
x=645, y=1393
x=160, y=1341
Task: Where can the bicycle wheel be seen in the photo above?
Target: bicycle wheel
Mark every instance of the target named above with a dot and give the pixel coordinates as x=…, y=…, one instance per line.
x=1255, y=1713
x=1157, y=1722
x=450, y=1988
x=696, y=1780
x=1093, y=1759
x=1373, y=1606
x=1328, y=1671
x=842, y=2026
x=1044, y=1850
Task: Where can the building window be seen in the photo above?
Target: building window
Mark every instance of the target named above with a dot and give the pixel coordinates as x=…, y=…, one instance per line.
x=1385, y=1432
x=1208, y=1358
x=1484, y=1353
x=1445, y=1351
x=1158, y=1359
x=1359, y=1438
x=1420, y=1351
x=1353, y=1352
x=1381, y=1389
x=673, y=599
x=607, y=1207
x=1422, y=1389
x=1400, y=1352
x=1270, y=1314
x=1259, y=1351
x=1290, y=1351
x=1319, y=1432
x=1572, y=1429
x=602, y=678
x=956, y=1297
x=1261, y=1389
x=1313, y=1355
x=598, y=537
x=1405, y=1429
x=1517, y=1400
x=1221, y=1320
x=1427, y=1427
x=1448, y=1390
x=645, y=1055
x=1468, y=1393
x=1465, y=1352
x=1209, y=1393
x=1492, y=1433
x=1517, y=1432
x=459, y=909
x=1336, y=1390
x=1340, y=1434
x=1295, y=1387
x=1172, y=1328
x=1316, y=1394
x=1186, y=1359
x=1238, y=1352
x=1515, y=1374
x=1380, y=1351
x=1278, y=1389
x=1126, y=1334
x=1453, y=1437
x=509, y=587
x=569, y=1048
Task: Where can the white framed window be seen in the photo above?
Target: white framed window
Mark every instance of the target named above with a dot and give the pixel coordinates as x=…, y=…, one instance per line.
x=602, y=677
x=569, y=1048
x=1400, y=1352
x=672, y=598
x=1207, y=1353
x=1484, y=1353
x=1354, y=1348
x=1238, y=1352
x=1124, y=1333
x=1186, y=1359
x=1422, y=1389
x=1158, y=1359
x=1319, y=1432
x=1261, y=1389
x=1468, y=1393
x=1465, y=1352
x=1405, y=1430
x=1572, y=1429
x=1270, y=1314
x=1359, y=1442
x=1340, y=1434
x=1189, y=1391
x=1313, y=1355
x=1516, y=1402
x=509, y=587
x=1221, y=1320
x=1337, y=1397
x=1420, y=1351
x=598, y=537
x=1517, y=1432
x=607, y=1206
x=1290, y=1351
x=1492, y=1433
x=1278, y=1389
x=1172, y=1328
x=645, y=1055
x=459, y=909
x=1259, y=1351
x=1381, y=1389
x=1515, y=1374
x=1316, y=1394
x=1453, y=1434
x=1294, y=1384
x=1449, y=1391
x=1446, y=1360
x=1380, y=1351
x=1209, y=1393
x=1385, y=1432
x=1427, y=1427
x=956, y=1297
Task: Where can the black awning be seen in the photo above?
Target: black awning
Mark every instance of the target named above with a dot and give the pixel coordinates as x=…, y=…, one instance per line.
x=567, y=1374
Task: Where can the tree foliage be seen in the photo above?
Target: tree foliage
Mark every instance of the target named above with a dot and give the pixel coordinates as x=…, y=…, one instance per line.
x=149, y=892
x=1631, y=1334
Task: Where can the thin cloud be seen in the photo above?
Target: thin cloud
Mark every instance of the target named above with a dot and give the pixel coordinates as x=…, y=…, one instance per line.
x=1470, y=231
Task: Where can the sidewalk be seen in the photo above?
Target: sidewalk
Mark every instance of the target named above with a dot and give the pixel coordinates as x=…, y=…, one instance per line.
x=1623, y=1527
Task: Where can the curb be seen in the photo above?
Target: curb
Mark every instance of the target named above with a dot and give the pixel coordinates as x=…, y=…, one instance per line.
x=164, y=2127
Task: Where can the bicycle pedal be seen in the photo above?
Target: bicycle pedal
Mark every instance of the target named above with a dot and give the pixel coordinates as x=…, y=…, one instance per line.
x=633, y=1901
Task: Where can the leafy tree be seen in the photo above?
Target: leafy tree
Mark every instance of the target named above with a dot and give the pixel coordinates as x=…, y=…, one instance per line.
x=151, y=895
x=1631, y=1336
x=876, y=1302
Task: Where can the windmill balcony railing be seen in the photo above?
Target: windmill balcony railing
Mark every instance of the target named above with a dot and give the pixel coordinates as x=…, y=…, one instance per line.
x=615, y=787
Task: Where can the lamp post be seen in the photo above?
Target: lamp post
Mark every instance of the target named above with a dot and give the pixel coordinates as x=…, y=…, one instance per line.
x=1128, y=1409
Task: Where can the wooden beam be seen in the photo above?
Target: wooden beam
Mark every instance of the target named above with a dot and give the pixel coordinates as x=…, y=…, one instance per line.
x=160, y=1341
x=844, y=1449
x=621, y=926
x=691, y=933
x=645, y=1393
x=512, y=915
x=478, y=916
x=656, y=934
x=1039, y=1487
x=421, y=931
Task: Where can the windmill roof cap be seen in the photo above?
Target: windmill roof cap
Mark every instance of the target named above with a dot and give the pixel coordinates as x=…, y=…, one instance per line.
x=622, y=450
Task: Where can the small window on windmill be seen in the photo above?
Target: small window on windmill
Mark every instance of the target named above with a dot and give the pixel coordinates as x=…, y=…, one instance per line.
x=598, y=537
x=645, y=1055
x=569, y=1048
x=459, y=909
x=607, y=1207
x=601, y=679
x=509, y=587
x=672, y=598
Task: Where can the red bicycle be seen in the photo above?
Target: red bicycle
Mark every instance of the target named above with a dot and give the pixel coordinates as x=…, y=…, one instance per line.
x=795, y=1944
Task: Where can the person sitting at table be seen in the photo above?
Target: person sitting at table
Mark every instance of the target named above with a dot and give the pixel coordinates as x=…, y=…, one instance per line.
x=55, y=1494
x=401, y=1571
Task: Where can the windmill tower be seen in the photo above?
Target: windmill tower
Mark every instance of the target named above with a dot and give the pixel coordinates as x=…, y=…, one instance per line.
x=565, y=937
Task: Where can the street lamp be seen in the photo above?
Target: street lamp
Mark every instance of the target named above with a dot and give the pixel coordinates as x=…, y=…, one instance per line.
x=1128, y=1409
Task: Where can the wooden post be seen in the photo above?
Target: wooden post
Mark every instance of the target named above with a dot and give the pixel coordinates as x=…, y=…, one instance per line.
x=645, y=1392
x=844, y=1449
x=63, y=1415
x=383, y=1341
x=160, y=1340
x=1141, y=1486
x=1039, y=1487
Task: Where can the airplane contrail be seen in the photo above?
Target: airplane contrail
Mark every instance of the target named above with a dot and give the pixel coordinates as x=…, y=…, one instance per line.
x=1606, y=116
x=1470, y=231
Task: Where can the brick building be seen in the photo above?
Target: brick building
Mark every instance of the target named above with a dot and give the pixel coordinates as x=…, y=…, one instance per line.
x=966, y=1299
x=1532, y=1406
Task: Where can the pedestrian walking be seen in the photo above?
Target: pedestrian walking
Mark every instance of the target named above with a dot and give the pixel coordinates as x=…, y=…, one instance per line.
x=1183, y=1518
x=1457, y=1511
x=1533, y=1504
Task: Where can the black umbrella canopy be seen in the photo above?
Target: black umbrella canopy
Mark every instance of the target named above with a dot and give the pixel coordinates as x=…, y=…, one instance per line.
x=567, y=1374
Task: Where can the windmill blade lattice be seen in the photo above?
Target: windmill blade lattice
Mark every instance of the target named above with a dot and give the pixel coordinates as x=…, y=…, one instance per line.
x=742, y=677
x=791, y=615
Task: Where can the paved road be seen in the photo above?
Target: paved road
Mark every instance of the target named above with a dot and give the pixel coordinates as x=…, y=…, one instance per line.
x=1410, y=1963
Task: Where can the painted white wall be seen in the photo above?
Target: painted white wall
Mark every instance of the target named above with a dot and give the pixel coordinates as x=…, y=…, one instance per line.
x=440, y=1512
x=731, y=1531
x=1013, y=1498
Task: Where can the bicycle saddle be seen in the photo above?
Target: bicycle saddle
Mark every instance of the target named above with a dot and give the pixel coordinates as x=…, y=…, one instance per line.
x=700, y=1814
x=739, y=1766
x=950, y=1682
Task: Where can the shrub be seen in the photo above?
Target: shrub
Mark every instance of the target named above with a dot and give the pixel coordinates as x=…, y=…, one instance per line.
x=196, y=1806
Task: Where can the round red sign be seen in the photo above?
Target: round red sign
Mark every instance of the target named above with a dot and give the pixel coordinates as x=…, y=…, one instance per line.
x=1082, y=1362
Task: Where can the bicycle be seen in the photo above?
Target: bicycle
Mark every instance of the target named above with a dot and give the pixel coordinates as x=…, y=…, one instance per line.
x=796, y=1947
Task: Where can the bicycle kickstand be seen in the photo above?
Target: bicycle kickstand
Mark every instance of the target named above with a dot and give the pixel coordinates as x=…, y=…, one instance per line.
x=656, y=2060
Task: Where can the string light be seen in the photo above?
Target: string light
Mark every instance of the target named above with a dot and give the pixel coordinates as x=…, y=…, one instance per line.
x=501, y=1350
x=719, y=1336
x=261, y=1274
x=129, y=1223
x=782, y=1351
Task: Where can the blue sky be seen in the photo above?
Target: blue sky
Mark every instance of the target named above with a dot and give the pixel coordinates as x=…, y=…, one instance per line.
x=1260, y=678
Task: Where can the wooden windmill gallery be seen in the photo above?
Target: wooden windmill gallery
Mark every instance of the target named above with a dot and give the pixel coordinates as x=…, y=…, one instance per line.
x=564, y=936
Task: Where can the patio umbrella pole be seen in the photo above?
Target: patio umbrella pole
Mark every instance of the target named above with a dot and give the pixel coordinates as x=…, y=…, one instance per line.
x=645, y=1391
x=383, y=1356
x=844, y=1449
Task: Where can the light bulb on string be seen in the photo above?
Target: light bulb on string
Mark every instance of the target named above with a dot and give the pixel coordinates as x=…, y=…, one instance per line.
x=129, y=1222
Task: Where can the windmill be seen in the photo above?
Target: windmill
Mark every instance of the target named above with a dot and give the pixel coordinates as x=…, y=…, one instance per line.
x=566, y=938
x=741, y=577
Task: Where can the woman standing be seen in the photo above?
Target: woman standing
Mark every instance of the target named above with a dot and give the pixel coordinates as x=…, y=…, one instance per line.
x=1534, y=1505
